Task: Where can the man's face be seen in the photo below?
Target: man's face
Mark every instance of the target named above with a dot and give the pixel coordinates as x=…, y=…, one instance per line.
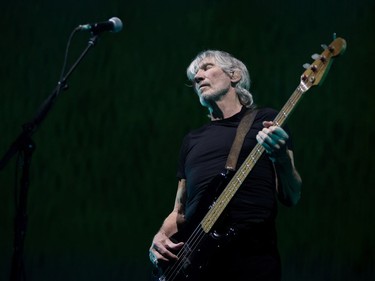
x=211, y=82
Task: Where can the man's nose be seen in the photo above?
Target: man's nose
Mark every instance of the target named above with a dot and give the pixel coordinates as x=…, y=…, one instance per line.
x=198, y=76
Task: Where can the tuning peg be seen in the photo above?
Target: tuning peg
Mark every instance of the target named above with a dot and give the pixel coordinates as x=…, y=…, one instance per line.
x=306, y=66
x=324, y=46
x=315, y=56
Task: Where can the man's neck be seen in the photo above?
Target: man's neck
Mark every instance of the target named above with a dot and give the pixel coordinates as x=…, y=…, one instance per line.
x=225, y=108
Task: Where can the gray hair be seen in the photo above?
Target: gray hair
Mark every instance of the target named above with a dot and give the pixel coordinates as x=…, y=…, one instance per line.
x=228, y=64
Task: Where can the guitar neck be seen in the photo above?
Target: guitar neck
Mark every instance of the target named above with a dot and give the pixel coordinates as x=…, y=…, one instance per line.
x=216, y=210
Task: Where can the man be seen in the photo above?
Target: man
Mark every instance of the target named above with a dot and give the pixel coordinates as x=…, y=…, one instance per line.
x=249, y=250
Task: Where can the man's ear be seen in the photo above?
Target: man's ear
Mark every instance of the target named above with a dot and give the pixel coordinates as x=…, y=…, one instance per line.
x=235, y=76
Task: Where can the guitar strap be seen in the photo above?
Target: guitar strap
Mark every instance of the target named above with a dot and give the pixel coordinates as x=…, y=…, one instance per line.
x=242, y=129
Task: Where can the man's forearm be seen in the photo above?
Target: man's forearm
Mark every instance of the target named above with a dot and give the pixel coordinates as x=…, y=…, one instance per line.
x=289, y=180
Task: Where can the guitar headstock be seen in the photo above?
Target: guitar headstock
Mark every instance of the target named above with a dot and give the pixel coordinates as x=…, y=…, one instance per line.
x=316, y=72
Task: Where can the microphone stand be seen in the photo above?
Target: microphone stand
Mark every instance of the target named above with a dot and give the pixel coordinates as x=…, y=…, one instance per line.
x=26, y=146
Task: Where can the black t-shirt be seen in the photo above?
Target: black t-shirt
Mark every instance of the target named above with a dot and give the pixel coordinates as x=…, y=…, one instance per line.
x=203, y=156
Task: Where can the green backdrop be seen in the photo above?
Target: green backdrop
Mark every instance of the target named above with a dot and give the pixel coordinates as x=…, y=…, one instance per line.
x=102, y=176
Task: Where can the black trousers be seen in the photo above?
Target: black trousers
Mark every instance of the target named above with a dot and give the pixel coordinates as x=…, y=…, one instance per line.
x=252, y=256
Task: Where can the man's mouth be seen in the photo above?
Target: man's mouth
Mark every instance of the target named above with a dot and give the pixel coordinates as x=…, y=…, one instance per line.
x=203, y=85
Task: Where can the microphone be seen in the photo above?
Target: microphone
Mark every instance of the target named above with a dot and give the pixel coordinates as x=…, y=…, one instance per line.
x=113, y=25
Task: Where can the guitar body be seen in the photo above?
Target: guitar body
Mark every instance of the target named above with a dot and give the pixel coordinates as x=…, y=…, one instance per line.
x=194, y=264
x=197, y=252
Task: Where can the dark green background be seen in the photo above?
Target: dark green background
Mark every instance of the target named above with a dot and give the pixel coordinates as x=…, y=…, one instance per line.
x=103, y=173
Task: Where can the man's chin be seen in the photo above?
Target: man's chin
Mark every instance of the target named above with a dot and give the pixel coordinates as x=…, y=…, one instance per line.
x=207, y=95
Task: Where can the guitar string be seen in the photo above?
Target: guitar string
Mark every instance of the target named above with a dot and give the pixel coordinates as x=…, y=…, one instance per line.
x=175, y=268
